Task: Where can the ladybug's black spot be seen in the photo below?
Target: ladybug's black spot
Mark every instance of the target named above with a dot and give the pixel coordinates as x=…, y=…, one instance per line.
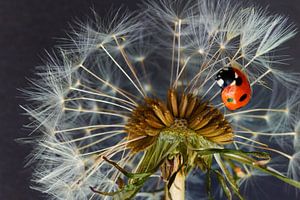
x=243, y=97
x=239, y=81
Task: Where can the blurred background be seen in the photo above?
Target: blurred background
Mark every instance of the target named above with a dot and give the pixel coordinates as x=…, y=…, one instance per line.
x=27, y=29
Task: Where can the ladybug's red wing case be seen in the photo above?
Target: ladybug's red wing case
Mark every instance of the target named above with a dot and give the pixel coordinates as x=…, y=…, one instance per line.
x=236, y=93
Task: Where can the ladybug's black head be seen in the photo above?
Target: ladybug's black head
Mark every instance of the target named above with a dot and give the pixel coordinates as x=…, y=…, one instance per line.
x=226, y=76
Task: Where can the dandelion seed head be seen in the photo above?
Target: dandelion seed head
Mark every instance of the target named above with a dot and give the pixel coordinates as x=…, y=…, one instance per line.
x=138, y=93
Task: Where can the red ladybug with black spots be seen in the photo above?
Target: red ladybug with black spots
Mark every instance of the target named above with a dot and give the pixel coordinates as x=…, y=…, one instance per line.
x=236, y=89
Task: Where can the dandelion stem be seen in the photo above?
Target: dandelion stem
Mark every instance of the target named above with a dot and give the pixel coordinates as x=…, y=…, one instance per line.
x=177, y=190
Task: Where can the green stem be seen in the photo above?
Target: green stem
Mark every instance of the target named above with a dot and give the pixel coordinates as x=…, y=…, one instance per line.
x=177, y=189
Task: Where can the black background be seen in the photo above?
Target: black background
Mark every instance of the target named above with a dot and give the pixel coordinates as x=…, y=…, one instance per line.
x=27, y=28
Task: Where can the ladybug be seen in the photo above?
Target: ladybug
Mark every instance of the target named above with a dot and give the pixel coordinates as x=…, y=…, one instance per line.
x=236, y=89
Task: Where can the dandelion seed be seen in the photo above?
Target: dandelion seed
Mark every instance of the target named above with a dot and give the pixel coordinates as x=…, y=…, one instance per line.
x=130, y=107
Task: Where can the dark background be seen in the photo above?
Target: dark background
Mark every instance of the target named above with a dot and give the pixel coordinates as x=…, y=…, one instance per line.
x=29, y=27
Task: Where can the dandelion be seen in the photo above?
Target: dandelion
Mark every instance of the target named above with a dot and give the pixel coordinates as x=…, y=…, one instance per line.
x=130, y=107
